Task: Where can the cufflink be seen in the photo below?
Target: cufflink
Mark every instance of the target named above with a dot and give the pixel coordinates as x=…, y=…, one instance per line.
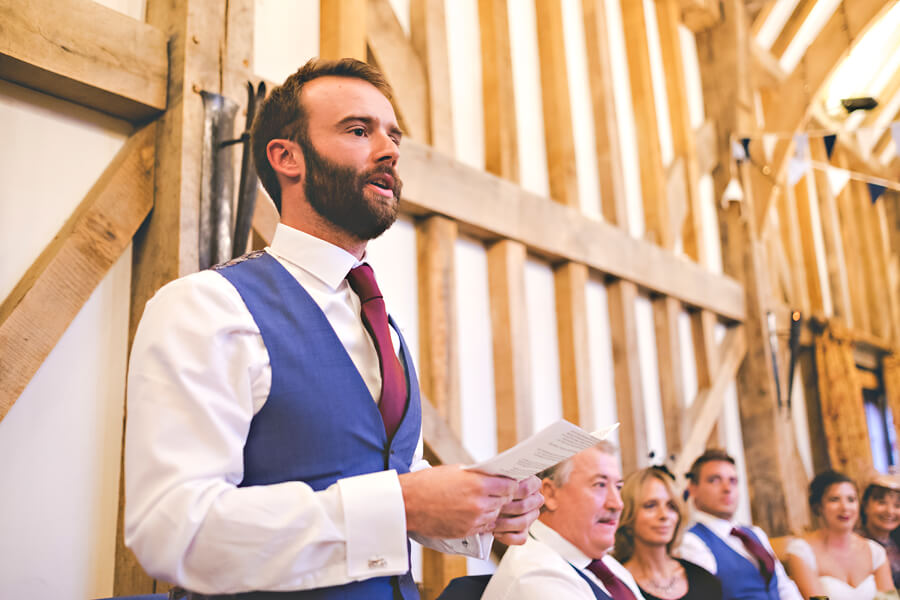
x=465, y=543
x=377, y=563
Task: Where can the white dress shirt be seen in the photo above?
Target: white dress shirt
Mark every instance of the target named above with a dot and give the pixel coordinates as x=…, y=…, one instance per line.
x=199, y=372
x=542, y=568
x=695, y=550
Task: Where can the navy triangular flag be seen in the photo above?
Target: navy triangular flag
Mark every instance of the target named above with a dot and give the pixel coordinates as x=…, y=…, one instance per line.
x=829, y=144
x=745, y=142
x=875, y=191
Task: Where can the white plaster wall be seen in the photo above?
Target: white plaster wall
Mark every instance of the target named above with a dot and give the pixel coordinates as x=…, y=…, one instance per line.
x=625, y=118
x=582, y=109
x=540, y=306
x=61, y=441
x=658, y=77
x=466, y=94
x=603, y=385
x=654, y=428
x=527, y=90
x=476, y=360
x=286, y=36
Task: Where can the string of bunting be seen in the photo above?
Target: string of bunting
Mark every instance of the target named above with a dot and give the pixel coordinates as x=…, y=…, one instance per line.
x=801, y=162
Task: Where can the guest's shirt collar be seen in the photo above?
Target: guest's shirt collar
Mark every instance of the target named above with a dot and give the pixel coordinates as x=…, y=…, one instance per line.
x=323, y=260
x=721, y=527
x=547, y=535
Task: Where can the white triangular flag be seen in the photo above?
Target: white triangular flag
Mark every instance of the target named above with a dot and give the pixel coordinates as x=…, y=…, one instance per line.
x=797, y=168
x=837, y=179
x=768, y=142
x=733, y=192
x=737, y=151
x=801, y=142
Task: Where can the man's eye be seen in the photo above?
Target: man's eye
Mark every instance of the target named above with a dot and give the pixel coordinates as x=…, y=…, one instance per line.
x=358, y=131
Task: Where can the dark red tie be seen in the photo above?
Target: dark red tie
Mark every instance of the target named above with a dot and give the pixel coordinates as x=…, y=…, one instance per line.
x=766, y=562
x=374, y=316
x=615, y=586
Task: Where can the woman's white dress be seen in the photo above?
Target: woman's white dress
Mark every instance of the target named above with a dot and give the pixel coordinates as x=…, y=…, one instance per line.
x=834, y=588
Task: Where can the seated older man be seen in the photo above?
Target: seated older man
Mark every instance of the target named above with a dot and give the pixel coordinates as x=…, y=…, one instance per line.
x=565, y=555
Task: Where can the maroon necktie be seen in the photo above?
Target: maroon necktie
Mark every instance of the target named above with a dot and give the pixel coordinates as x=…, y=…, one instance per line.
x=766, y=562
x=615, y=586
x=374, y=316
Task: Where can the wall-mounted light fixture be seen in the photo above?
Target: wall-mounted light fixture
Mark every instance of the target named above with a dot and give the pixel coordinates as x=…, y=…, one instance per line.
x=861, y=103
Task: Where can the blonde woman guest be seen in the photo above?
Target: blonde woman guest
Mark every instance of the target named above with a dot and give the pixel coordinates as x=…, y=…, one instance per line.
x=833, y=560
x=881, y=518
x=652, y=521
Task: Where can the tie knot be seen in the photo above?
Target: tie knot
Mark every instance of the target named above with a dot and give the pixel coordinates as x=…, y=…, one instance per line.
x=362, y=281
x=603, y=573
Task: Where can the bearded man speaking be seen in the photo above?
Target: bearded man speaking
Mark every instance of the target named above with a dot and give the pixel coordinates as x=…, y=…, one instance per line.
x=273, y=443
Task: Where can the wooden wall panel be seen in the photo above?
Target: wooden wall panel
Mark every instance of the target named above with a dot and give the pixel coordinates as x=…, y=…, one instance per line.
x=570, y=280
x=501, y=146
x=342, y=29
x=428, y=33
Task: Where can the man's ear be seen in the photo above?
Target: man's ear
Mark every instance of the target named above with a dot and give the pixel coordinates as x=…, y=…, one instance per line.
x=549, y=492
x=286, y=158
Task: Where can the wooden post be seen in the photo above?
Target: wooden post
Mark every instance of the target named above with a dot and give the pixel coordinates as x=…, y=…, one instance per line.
x=501, y=151
x=342, y=29
x=166, y=246
x=653, y=188
x=428, y=32
x=439, y=363
x=509, y=326
x=777, y=494
x=570, y=281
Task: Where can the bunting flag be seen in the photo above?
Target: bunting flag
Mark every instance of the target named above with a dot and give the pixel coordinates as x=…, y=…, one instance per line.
x=768, y=142
x=745, y=143
x=801, y=142
x=837, y=179
x=733, y=192
x=875, y=191
x=895, y=132
x=738, y=152
x=829, y=144
x=797, y=169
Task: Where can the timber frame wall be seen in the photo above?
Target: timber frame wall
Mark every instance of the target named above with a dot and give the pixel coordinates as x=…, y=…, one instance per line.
x=150, y=73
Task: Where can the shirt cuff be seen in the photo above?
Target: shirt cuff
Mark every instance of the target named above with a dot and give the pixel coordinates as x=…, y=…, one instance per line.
x=476, y=546
x=376, y=525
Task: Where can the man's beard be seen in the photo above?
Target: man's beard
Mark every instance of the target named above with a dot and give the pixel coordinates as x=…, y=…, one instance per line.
x=338, y=194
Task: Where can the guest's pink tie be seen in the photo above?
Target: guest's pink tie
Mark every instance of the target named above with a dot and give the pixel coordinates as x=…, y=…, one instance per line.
x=766, y=561
x=615, y=586
x=374, y=316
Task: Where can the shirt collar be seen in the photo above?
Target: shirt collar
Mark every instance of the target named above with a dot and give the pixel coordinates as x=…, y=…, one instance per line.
x=721, y=527
x=323, y=260
x=546, y=535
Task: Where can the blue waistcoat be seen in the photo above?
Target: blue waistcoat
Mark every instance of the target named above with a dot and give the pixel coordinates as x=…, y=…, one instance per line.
x=319, y=423
x=741, y=579
x=599, y=594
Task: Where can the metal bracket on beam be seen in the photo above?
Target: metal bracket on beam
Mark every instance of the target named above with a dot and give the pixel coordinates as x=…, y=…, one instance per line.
x=216, y=180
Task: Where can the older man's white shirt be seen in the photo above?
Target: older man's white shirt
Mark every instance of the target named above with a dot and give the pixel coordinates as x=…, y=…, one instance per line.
x=544, y=567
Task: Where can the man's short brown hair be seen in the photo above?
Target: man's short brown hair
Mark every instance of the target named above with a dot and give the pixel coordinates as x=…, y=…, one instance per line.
x=281, y=115
x=711, y=455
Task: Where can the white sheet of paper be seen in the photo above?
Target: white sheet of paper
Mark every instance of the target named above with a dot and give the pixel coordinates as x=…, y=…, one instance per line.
x=541, y=451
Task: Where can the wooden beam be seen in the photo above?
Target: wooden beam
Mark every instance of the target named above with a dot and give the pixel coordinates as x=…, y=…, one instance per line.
x=166, y=246
x=790, y=232
x=691, y=227
x=395, y=56
x=342, y=29
x=558, y=134
x=708, y=405
x=792, y=27
x=653, y=189
x=570, y=282
x=808, y=226
x=501, y=150
x=265, y=217
x=442, y=445
x=428, y=34
x=666, y=312
x=56, y=286
x=439, y=361
x=621, y=297
x=86, y=53
x=760, y=18
x=873, y=275
x=606, y=129
x=706, y=361
x=509, y=326
x=437, y=184
x=891, y=266
x=707, y=155
x=700, y=15
x=838, y=280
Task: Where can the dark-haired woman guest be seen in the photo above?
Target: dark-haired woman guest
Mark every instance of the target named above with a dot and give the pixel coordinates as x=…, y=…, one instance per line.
x=881, y=518
x=833, y=560
x=652, y=520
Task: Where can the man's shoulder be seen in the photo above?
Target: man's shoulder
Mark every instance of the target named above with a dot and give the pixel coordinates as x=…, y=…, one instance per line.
x=533, y=554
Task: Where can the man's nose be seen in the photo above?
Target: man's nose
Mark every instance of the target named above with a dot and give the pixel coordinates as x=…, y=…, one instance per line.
x=386, y=150
x=614, y=499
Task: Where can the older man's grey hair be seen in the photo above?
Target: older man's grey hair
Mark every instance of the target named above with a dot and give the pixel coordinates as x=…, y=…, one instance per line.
x=560, y=472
